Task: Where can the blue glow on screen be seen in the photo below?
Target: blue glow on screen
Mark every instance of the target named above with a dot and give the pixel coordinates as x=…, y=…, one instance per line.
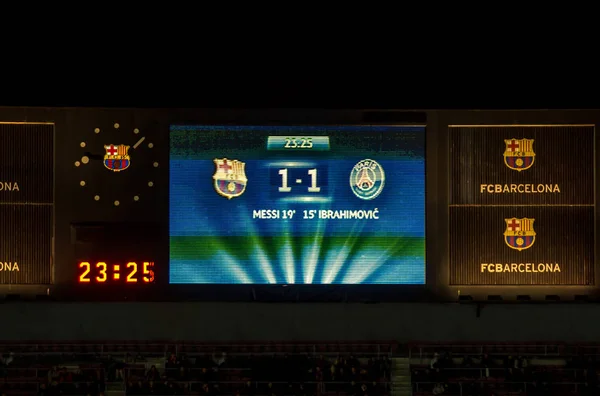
x=294, y=216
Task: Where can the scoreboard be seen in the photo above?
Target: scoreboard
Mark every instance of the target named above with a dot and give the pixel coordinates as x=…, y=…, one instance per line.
x=172, y=204
x=297, y=205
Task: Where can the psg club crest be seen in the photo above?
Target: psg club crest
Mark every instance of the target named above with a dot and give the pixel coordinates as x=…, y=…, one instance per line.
x=519, y=234
x=519, y=154
x=367, y=179
x=117, y=157
x=230, y=177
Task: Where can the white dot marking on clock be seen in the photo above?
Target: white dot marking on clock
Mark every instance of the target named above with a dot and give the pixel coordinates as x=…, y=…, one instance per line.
x=97, y=198
x=85, y=159
x=116, y=125
x=77, y=163
x=117, y=203
x=150, y=145
x=136, y=131
x=136, y=198
x=155, y=164
x=150, y=184
x=82, y=144
x=82, y=183
x=298, y=181
x=97, y=130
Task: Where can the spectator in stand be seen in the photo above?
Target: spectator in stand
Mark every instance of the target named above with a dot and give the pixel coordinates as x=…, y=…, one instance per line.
x=248, y=389
x=153, y=374
x=65, y=376
x=386, y=366
x=5, y=361
x=510, y=362
x=354, y=374
x=434, y=363
x=363, y=390
x=219, y=358
x=333, y=370
x=8, y=359
x=486, y=361
x=173, y=361
x=319, y=381
x=205, y=390
x=438, y=389
x=119, y=367
x=301, y=391
x=172, y=367
x=53, y=374
x=270, y=391
x=182, y=375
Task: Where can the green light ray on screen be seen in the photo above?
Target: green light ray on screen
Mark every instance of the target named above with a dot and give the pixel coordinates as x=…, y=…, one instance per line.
x=206, y=247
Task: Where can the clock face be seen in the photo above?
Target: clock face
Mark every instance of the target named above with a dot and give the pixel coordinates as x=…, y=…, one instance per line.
x=117, y=165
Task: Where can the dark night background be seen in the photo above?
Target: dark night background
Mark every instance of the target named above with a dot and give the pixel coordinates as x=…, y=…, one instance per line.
x=148, y=80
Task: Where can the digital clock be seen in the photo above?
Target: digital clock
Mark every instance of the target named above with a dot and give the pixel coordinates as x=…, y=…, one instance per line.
x=286, y=143
x=110, y=272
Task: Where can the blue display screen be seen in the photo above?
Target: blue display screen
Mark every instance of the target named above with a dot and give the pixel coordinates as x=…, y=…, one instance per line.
x=297, y=205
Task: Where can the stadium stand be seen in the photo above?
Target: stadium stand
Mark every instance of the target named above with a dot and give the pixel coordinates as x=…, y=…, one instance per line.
x=504, y=369
x=298, y=369
x=195, y=369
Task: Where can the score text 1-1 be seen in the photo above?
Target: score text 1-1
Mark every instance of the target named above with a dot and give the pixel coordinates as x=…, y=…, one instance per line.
x=286, y=143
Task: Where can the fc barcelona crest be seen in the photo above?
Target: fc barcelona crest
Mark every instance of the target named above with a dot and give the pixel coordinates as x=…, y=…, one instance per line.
x=230, y=177
x=519, y=234
x=117, y=157
x=519, y=154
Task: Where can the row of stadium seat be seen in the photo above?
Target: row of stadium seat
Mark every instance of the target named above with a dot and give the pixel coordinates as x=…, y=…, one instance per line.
x=111, y=347
x=214, y=373
x=415, y=349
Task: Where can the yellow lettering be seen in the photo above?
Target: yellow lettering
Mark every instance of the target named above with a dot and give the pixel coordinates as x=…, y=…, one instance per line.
x=9, y=266
x=520, y=267
x=518, y=188
x=9, y=186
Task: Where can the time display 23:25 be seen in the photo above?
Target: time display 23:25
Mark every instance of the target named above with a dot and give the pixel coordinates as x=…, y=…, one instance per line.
x=105, y=272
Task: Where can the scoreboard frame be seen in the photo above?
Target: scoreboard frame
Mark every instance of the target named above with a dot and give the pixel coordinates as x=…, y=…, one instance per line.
x=69, y=123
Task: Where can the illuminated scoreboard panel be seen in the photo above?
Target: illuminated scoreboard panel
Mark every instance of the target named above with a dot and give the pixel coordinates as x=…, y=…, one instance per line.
x=522, y=205
x=285, y=205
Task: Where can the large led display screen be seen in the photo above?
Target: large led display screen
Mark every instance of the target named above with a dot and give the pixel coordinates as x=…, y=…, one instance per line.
x=297, y=205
